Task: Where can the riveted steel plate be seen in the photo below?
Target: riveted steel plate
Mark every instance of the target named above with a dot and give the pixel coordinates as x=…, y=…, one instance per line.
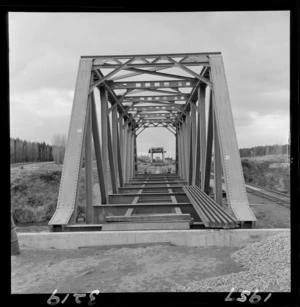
x=233, y=173
x=73, y=155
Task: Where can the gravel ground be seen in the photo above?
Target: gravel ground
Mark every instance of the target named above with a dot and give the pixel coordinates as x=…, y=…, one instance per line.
x=139, y=268
x=268, y=269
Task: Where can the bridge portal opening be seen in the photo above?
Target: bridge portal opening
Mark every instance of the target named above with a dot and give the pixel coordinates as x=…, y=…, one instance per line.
x=117, y=98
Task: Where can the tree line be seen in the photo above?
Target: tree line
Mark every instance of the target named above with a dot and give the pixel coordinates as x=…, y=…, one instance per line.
x=26, y=151
x=265, y=150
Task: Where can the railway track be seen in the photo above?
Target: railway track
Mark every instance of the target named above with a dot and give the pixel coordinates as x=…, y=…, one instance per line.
x=277, y=197
x=27, y=163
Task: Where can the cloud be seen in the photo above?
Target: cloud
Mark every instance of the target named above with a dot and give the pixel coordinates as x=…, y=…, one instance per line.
x=264, y=130
x=45, y=49
x=37, y=115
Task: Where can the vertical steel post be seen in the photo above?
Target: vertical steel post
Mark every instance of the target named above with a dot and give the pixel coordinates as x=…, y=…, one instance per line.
x=98, y=152
x=176, y=151
x=114, y=128
x=89, y=167
x=125, y=151
x=187, y=147
x=217, y=166
x=119, y=157
x=202, y=120
x=198, y=149
x=183, y=151
x=194, y=143
x=135, y=155
x=191, y=155
x=184, y=155
x=128, y=154
x=103, y=102
x=209, y=147
x=111, y=159
x=201, y=138
x=179, y=151
x=121, y=140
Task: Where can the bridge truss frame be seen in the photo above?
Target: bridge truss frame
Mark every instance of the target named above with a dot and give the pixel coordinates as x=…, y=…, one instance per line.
x=175, y=101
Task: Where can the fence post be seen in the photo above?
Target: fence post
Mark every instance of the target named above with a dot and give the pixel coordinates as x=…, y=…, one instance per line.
x=15, y=249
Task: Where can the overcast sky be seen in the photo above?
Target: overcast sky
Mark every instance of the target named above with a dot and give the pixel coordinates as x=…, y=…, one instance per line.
x=45, y=49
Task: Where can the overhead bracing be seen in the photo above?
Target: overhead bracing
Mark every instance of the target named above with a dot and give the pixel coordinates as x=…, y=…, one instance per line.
x=185, y=93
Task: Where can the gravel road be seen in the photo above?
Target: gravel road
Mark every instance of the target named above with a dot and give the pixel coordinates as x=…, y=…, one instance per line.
x=268, y=269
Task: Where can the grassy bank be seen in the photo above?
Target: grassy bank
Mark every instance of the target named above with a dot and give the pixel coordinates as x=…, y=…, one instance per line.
x=35, y=187
x=271, y=172
x=34, y=192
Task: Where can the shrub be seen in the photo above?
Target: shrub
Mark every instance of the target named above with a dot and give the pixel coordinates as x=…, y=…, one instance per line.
x=34, y=201
x=49, y=210
x=51, y=177
x=24, y=215
x=81, y=211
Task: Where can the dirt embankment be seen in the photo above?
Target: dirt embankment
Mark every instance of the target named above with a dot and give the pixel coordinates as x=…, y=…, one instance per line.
x=271, y=172
x=34, y=192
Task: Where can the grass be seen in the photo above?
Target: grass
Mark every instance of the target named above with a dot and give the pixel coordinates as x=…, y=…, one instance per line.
x=35, y=187
x=257, y=171
x=34, y=192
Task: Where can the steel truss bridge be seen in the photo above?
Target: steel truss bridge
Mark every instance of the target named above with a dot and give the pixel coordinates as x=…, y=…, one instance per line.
x=118, y=97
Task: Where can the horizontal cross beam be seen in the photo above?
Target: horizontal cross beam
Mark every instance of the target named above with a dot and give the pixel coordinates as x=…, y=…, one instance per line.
x=159, y=74
x=154, y=120
x=149, y=56
x=182, y=97
x=150, y=115
x=151, y=84
x=155, y=108
x=143, y=65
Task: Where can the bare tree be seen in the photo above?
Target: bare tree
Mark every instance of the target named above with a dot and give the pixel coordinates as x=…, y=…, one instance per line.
x=59, y=142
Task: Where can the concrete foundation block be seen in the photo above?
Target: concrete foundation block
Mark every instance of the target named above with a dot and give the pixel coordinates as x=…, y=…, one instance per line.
x=71, y=240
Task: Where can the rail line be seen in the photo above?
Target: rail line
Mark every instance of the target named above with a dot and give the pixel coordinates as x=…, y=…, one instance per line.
x=27, y=163
x=275, y=196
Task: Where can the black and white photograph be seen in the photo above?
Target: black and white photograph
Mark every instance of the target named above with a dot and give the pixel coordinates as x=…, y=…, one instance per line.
x=150, y=152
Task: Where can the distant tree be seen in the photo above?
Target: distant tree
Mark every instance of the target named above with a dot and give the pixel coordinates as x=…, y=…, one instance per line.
x=26, y=151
